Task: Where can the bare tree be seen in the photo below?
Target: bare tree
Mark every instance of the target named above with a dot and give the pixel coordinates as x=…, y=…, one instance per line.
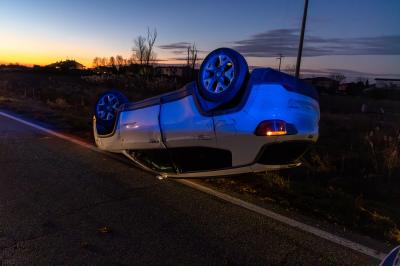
x=188, y=56
x=111, y=61
x=143, y=52
x=151, y=39
x=119, y=61
x=103, y=61
x=139, y=50
x=339, y=77
x=96, y=62
x=290, y=69
x=191, y=56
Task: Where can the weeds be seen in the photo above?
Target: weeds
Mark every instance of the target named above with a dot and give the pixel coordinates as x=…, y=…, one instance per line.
x=273, y=179
x=395, y=235
x=59, y=103
x=384, y=152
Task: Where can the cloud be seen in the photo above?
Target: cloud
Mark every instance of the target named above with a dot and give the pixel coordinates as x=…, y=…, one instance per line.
x=175, y=46
x=285, y=41
x=354, y=73
x=179, y=48
x=329, y=71
x=351, y=75
x=184, y=59
x=161, y=60
x=179, y=52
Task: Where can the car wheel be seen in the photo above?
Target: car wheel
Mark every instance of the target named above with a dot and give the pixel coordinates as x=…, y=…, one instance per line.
x=106, y=110
x=222, y=75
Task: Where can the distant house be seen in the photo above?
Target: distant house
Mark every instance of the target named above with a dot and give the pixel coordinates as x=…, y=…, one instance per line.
x=66, y=65
x=323, y=83
x=387, y=83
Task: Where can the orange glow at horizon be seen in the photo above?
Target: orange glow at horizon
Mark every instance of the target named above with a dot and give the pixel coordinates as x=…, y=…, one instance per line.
x=30, y=59
x=30, y=49
x=27, y=52
x=36, y=59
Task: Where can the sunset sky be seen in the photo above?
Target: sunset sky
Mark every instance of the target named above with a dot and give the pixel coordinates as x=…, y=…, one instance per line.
x=358, y=38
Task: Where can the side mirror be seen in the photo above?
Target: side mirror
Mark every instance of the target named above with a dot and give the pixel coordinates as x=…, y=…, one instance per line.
x=393, y=258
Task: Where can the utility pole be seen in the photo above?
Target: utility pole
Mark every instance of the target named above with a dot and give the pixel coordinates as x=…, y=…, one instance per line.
x=303, y=26
x=280, y=57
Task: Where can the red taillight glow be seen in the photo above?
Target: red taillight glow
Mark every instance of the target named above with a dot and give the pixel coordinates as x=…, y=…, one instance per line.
x=271, y=128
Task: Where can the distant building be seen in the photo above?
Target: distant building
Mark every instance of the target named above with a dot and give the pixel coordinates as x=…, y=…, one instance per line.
x=171, y=71
x=66, y=65
x=12, y=67
x=101, y=70
x=323, y=83
x=387, y=83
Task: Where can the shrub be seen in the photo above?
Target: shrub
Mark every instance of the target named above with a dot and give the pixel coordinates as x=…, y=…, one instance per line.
x=59, y=103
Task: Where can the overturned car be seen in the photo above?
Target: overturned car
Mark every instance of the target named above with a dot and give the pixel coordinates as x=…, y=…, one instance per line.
x=227, y=122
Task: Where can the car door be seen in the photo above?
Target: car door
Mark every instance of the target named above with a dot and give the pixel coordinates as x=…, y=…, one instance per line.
x=189, y=136
x=140, y=128
x=182, y=125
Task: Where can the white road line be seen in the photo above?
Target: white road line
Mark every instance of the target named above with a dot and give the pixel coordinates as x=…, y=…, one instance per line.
x=252, y=207
x=52, y=132
x=288, y=221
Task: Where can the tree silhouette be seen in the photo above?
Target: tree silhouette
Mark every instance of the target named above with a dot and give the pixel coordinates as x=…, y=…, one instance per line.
x=339, y=77
x=119, y=61
x=143, y=52
x=151, y=39
x=191, y=56
x=96, y=62
x=139, y=50
x=111, y=61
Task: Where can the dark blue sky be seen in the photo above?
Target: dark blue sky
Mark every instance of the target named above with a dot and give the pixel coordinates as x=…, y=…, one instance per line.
x=359, y=36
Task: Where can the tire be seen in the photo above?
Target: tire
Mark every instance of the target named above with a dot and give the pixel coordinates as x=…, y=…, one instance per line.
x=106, y=110
x=222, y=75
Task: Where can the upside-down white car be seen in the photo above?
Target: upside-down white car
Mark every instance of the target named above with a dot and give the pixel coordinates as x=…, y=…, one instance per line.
x=228, y=122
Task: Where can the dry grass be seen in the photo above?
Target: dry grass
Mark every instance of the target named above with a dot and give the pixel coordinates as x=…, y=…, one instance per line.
x=59, y=103
x=395, y=235
x=275, y=180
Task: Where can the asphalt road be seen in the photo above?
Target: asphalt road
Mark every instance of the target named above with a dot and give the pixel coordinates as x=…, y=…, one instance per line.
x=61, y=203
